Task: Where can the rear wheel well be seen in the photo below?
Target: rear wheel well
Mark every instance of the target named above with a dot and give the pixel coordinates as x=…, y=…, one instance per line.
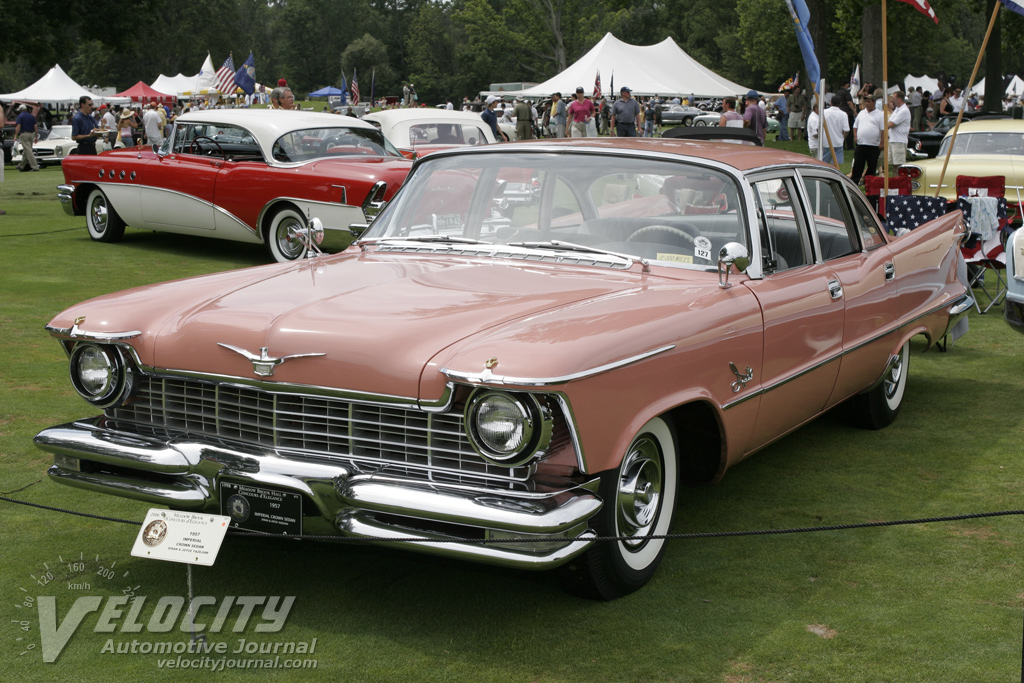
x=699, y=442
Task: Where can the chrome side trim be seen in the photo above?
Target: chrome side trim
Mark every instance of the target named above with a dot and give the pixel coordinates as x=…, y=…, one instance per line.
x=956, y=304
x=488, y=377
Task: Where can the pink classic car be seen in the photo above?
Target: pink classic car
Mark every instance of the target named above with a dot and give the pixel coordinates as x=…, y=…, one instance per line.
x=248, y=175
x=480, y=372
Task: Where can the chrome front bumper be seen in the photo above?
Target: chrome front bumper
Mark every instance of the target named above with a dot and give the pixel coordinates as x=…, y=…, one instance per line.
x=184, y=473
x=66, y=195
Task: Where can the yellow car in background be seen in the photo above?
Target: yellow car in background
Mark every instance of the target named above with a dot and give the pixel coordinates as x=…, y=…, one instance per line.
x=984, y=147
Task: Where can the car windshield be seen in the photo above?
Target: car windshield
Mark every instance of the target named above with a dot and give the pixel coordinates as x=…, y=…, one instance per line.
x=60, y=132
x=431, y=133
x=985, y=143
x=321, y=143
x=673, y=212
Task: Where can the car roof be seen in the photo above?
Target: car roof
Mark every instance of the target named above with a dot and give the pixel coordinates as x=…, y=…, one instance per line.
x=390, y=117
x=992, y=125
x=271, y=123
x=741, y=157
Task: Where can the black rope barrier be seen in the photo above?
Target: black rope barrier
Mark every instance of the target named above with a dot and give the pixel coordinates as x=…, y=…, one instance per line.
x=549, y=538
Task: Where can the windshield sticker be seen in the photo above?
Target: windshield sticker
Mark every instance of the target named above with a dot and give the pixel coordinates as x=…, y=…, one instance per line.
x=675, y=258
x=702, y=248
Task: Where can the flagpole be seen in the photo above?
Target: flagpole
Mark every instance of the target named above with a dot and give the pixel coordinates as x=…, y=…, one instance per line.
x=824, y=123
x=970, y=84
x=885, y=98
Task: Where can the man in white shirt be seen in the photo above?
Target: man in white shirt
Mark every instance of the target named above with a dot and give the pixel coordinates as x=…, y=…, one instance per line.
x=151, y=122
x=867, y=134
x=899, y=130
x=915, y=108
x=813, y=124
x=957, y=100
x=838, y=125
x=110, y=123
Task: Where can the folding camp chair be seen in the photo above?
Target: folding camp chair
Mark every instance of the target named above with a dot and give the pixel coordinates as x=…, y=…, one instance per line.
x=874, y=186
x=984, y=250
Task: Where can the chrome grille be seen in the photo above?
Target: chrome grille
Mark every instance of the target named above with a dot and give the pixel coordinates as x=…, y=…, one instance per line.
x=310, y=425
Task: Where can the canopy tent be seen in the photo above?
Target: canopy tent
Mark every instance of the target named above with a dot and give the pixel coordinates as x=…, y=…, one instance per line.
x=58, y=88
x=662, y=69
x=1014, y=86
x=140, y=92
x=329, y=91
x=174, y=84
x=926, y=83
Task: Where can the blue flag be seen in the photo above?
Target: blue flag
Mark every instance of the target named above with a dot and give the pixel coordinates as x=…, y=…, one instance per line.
x=245, y=77
x=344, y=89
x=798, y=10
x=1016, y=5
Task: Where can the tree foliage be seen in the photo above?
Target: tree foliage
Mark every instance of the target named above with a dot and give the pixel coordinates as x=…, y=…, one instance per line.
x=451, y=48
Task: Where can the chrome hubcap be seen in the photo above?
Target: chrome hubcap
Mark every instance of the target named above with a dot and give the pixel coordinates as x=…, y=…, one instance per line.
x=640, y=490
x=892, y=380
x=99, y=214
x=290, y=237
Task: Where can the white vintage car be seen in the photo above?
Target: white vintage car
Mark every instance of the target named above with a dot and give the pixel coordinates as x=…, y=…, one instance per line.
x=417, y=132
x=57, y=145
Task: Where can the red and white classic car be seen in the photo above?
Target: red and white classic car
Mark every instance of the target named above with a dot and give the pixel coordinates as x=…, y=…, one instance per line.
x=250, y=175
x=481, y=372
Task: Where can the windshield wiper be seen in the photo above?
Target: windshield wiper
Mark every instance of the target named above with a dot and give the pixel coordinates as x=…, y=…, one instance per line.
x=570, y=246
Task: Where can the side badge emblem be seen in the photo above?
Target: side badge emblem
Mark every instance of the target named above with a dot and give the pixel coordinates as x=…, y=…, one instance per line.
x=264, y=364
x=741, y=379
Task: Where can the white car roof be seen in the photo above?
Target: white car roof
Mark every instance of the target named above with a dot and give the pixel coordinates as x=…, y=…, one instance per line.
x=390, y=117
x=270, y=124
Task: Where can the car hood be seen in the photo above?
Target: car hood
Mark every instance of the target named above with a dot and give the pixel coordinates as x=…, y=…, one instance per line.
x=377, y=319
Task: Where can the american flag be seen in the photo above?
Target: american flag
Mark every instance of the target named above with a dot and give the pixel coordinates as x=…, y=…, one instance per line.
x=597, y=85
x=353, y=90
x=1016, y=5
x=924, y=8
x=225, y=78
x=911, y=211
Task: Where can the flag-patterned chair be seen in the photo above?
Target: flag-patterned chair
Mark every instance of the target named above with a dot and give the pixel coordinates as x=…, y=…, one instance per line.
x=874, y=186
x=984, y=249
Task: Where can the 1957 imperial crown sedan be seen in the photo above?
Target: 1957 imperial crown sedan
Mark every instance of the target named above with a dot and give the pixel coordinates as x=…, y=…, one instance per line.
x=249, y=175
x=484, y=371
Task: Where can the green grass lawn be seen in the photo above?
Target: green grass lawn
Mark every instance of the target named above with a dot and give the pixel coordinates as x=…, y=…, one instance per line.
x=930, y=603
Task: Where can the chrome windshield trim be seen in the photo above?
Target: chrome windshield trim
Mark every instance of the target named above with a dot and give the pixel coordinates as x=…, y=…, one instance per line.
x=487, y=377
x=960, y=300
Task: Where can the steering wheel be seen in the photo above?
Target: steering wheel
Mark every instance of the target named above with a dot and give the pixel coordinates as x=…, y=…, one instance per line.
x=192, y=145
x=684, y=233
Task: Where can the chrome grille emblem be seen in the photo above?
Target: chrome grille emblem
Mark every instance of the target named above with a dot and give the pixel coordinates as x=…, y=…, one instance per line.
x=264, y=364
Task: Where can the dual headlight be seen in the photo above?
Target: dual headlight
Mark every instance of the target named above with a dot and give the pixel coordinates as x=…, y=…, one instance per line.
x=507, y=428
x=99, y=374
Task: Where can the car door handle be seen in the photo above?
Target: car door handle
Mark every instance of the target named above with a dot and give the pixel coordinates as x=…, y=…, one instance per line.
x=890, y=271
x=835, y=289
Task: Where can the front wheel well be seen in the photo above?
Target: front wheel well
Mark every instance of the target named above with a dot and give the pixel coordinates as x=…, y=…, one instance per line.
x=701, y=450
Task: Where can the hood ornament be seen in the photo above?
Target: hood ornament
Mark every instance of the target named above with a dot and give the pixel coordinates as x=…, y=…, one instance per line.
x=264, y=364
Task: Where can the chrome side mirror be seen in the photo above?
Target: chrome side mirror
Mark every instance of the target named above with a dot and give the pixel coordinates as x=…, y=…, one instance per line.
x=312, y=236
x=357, y=229
x=732, y=254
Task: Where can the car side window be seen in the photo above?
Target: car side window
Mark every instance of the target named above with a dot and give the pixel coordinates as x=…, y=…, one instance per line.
x=833, y=225
x=784, y=242
x=867, y=225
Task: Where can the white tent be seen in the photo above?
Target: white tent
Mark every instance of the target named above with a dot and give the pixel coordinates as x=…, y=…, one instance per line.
x=662, y=69
x=1015, y=87
x=172, y=85
x=927, y=83
x=56, y=87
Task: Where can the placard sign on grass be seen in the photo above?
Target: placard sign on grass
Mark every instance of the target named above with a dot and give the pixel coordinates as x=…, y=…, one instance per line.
x=185, y=537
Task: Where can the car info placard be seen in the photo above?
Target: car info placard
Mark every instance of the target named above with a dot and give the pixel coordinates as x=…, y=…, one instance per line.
x=256, y=508
x=185, y=537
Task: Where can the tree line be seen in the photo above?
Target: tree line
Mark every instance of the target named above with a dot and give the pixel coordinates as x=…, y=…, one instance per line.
x=452, y=48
